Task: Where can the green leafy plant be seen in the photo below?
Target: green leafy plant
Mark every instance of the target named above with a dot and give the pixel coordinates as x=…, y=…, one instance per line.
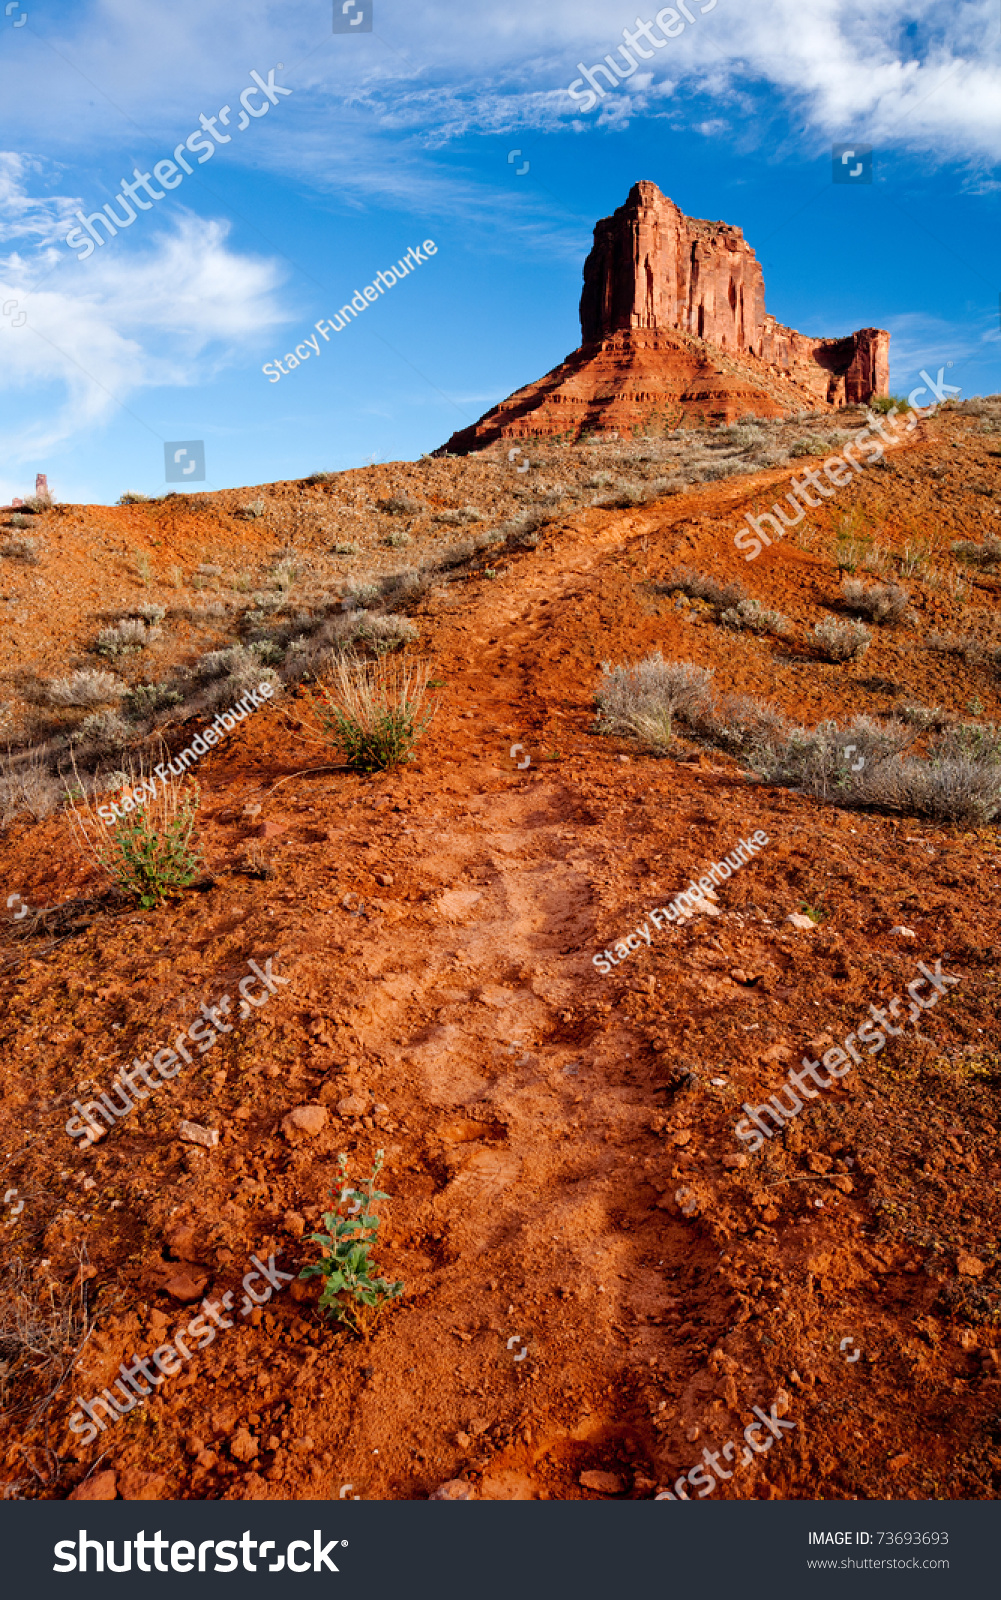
x=149, y=853
x=373, y=711
x=346, y=1268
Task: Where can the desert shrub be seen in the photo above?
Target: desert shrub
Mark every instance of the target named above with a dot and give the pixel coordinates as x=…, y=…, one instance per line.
x=320, y=477
x=987, y=554
x=750, y=614
x=400, y=505
x=209, y=569
x=86, y=688
x=148, y=698
x=347, y=549
x=955, y=644
x=254, y=509
x=921, y=717
x=963, y=792
x=22, y=549
x=385, y=633
x=841, y=641
x=398, y=539
x=41, y=1323
x=858, y=762
x=132, y=497
x=466, y=514
x=38, y=503
x=129, y=634
x=812, y=446
x=699, y=586
x=359, y=593
x=26, y=784
x=714, y=470
x=17, y=519
x=880, y=602
x=102, y=730
x=348, y=1282
x=149, y=852
x=152, y=614
x=372, y=712
x=643, y=700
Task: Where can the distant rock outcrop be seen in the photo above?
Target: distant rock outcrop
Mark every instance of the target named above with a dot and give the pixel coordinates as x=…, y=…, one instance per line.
x=674, y=329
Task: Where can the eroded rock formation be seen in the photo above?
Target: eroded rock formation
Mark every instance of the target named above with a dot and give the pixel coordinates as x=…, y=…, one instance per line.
x=674, y=329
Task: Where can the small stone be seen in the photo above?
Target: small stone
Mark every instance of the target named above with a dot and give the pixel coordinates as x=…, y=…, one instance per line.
x=818, y=1163
x=180, y=1240
x=602, y=1482
x=102, y=1486
x=243, y=1114
x=294, y=1224
x=684, y=1137
x=897, y=1463
x=184, y=1285
x=194, y=1133
x=969, y=1266
x=268, y=830
x=798, y=920
x=625, y=760
x=693, y=1433
x=735, y=1163
x=243, y=1446
x=462, y=1440
x=309, y=1119
x=455, y=1489
x=354, y=1105
x=905, y=933
x=385, y=879
x=843, y=1183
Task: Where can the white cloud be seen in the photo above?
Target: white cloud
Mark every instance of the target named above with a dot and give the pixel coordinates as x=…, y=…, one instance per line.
x=175, y=311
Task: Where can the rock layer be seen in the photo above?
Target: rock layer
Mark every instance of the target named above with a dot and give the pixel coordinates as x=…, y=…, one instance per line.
x=673, y=330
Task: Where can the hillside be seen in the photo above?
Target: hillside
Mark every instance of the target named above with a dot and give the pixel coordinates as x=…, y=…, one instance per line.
x=561, y=1157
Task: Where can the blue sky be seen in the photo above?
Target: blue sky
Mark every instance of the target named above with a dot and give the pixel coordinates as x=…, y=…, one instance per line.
x=402, y=134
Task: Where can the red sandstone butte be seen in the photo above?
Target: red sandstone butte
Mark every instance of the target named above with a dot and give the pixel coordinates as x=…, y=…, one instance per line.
x=674, y=331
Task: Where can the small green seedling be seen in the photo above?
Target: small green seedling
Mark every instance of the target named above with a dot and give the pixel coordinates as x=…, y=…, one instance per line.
x=346, y=1268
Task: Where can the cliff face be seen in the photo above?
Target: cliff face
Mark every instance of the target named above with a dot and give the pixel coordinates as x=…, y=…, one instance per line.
x=674, y=328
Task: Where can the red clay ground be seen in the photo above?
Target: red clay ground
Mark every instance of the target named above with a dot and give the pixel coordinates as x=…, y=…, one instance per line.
x=436, y=928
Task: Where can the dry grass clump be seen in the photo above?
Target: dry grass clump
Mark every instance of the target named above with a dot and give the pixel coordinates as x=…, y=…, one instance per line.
x=955, y=644
x=147, y=849
x=455, y=518
x=880, y=602
x=987, y=554
x=642, y=701
x=400, y=505
x=102, y=730
x=88, y=687
x=22, y=549
x=131, y=633
x=27, y=784
x=863, y=763
x=841, y=641
x=699, y=586
x=253, y=509
x=751, y=615
x=810, y=446
x=385, y=633
x=42, y=1324
x=372, y=712
x=397, y=539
